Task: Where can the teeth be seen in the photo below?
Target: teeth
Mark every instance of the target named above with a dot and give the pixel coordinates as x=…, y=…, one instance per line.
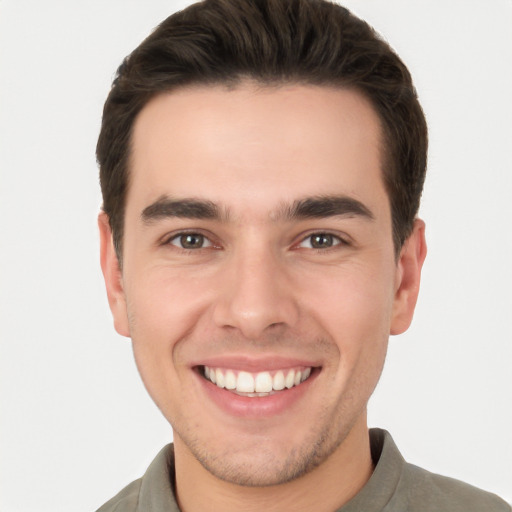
x=263, y=383
x=230, y=380
x=219, y=377
x=289, y=381
x=245, y=383
x=278, y=382
x=259, y=384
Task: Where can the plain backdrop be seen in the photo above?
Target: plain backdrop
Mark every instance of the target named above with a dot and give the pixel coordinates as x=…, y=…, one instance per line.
x=76, y=422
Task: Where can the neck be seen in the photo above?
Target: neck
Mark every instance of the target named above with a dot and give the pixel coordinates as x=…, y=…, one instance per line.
x=338, y=479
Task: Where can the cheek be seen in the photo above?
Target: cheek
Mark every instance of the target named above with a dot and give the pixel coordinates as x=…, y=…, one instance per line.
x=163, y=305
x=351, y=300
x=354, y=307
x=163, y=308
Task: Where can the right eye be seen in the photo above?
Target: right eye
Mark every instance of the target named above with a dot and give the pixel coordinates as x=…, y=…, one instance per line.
x=321, y=240
x=190, y=241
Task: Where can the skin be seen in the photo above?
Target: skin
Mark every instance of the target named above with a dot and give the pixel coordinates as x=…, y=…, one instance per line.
x=257, y=290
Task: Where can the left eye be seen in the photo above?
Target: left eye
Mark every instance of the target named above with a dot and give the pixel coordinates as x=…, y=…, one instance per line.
x=320, y=241
x=190, y=241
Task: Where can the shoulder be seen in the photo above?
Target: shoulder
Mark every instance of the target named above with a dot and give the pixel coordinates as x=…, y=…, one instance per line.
x=397, y=486
x=125, y=501
x=154, y=491
x=429, y=491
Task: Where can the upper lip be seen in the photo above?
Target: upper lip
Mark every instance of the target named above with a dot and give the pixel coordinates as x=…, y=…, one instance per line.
x=255, y=364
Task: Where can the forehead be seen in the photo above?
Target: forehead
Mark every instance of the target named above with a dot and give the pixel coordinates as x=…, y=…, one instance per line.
x=253, y=147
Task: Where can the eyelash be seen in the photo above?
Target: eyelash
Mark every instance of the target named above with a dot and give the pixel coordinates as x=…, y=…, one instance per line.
x=179, y=236
x=336, y=241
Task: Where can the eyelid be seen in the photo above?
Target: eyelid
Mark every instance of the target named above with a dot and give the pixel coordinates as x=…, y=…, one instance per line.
x=169, y=237
x=341, y=239
x=206, y=241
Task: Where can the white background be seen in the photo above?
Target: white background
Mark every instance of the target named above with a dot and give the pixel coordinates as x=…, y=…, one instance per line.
x=76, y=423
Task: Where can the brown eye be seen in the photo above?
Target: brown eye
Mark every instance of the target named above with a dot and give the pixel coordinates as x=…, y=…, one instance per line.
x=190, y=241
x=321, y=241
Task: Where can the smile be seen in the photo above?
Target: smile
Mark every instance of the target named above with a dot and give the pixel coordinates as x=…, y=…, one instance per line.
x=259, y=384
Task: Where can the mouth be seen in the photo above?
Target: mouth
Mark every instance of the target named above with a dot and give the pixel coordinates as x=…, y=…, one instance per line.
x=257, y=390
x=259, y=384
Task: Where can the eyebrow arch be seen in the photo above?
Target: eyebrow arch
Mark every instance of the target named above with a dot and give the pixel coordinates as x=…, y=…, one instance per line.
x=325, y=206
x=166, y=207
x=307, y=208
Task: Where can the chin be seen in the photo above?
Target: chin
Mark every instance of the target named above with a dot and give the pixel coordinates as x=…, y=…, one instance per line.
x=264, y=469
x=262, y=461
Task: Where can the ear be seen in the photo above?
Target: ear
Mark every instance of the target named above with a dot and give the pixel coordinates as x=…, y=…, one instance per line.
x=408, y=275
x=113, y=277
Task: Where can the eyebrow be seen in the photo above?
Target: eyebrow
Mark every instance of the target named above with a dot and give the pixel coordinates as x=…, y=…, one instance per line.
x=325, y=206
x=315, y=207
x=166, y=207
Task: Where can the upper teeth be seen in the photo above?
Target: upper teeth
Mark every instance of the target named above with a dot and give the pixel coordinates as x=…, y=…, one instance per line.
x=261, y=382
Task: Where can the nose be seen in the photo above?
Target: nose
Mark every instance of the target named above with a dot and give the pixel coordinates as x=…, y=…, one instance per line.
x=255, y=295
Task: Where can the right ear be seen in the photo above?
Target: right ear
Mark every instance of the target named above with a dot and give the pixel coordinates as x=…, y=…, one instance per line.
x=113, y=277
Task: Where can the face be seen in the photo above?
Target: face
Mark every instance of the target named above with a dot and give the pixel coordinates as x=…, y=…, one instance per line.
x=259, y=282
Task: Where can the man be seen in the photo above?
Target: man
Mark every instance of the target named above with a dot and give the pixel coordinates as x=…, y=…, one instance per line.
x=261, y=166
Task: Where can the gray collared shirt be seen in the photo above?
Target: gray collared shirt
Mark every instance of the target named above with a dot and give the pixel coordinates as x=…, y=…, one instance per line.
x=395, y=486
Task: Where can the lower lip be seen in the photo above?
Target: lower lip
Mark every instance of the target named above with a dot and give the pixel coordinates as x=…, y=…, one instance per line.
x=257, y=407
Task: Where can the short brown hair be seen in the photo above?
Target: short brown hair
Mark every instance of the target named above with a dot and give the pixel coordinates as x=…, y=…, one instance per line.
x=269, y=41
